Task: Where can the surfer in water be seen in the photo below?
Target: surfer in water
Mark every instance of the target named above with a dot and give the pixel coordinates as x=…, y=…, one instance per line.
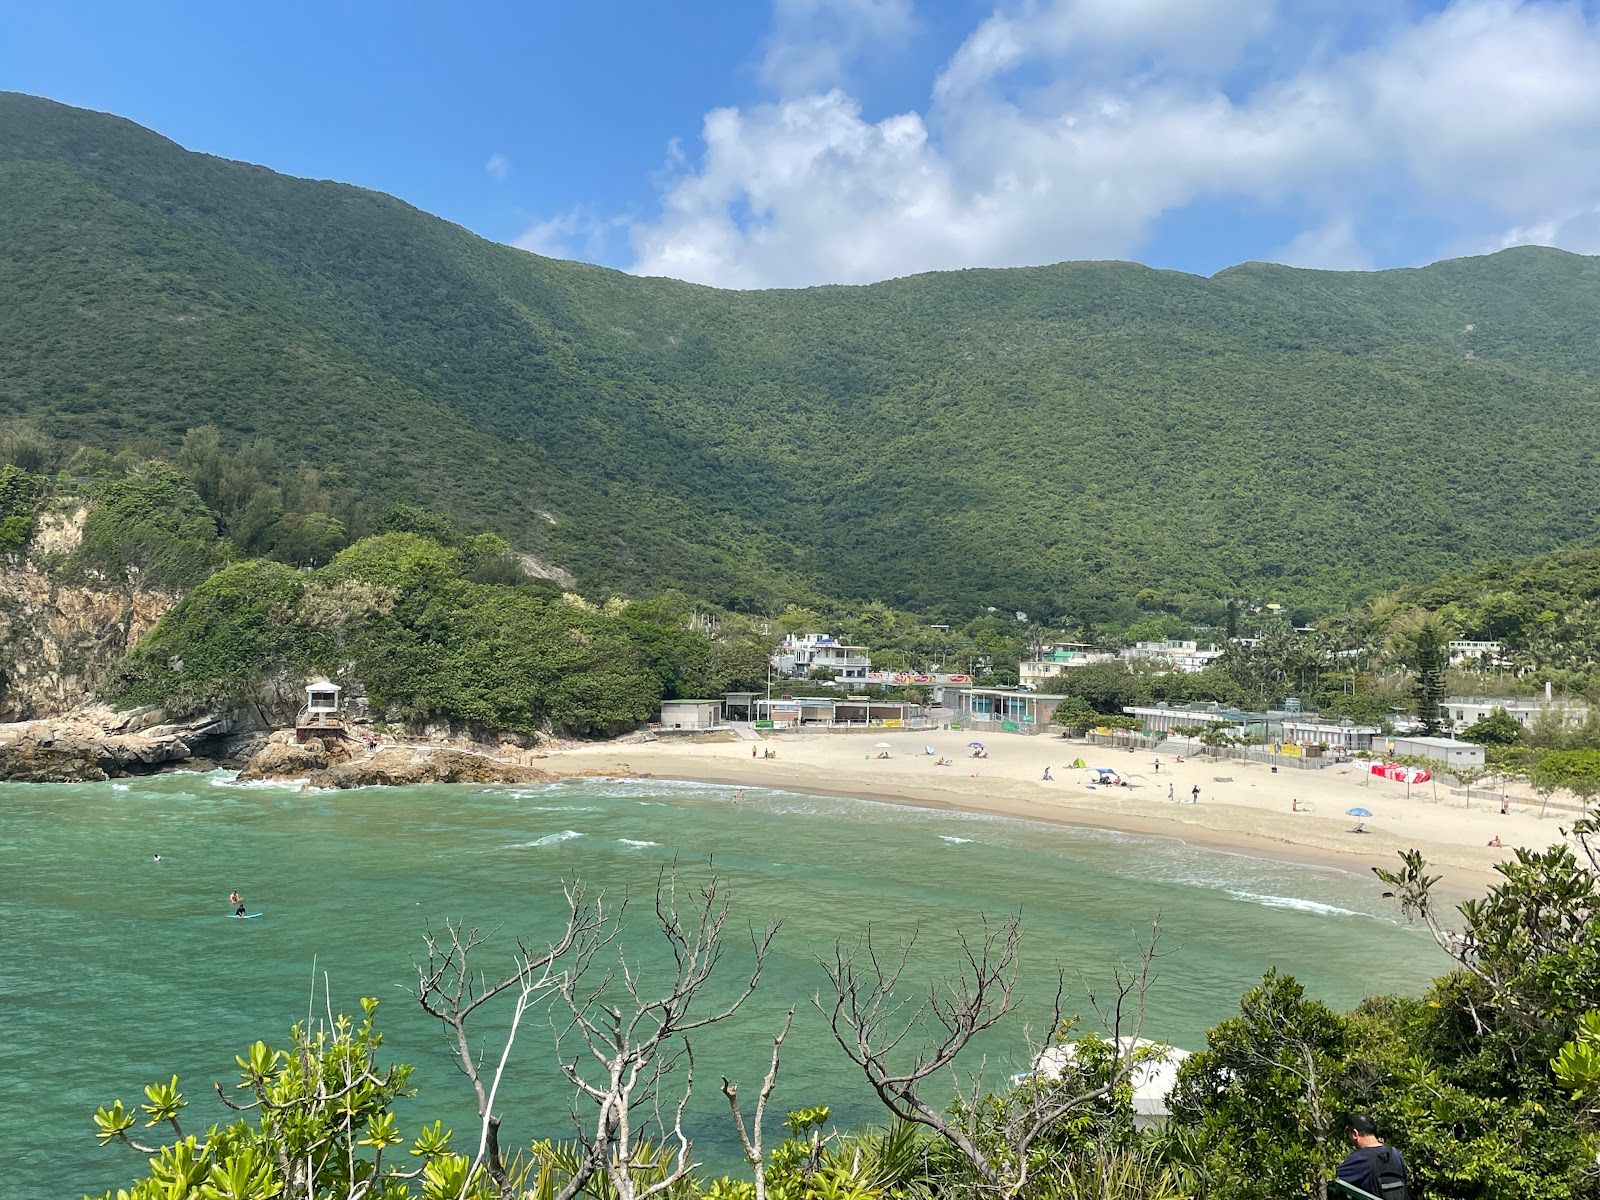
x=239, y=912
x=157, y=858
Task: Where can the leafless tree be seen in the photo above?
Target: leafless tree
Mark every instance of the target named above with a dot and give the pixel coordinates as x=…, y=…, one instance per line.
x=750, y=1135
x=619, y=1039
x=627, y=1046
x=871, y=1021
x=450, y=988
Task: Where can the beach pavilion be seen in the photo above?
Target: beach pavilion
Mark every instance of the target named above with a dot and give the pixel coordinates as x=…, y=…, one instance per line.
x=1001, y=710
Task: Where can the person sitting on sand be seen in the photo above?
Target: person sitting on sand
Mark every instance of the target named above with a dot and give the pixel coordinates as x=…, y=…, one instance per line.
x=1048, y=778
x=943, y=762
x=1496, y=842
x=883, y=754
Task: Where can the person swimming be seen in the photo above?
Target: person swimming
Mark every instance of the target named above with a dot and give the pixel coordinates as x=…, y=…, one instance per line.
x=157, y=858
x=235, y=898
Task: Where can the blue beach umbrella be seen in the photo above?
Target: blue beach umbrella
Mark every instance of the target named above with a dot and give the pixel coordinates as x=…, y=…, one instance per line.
x=1356, y=812
x=975, y=745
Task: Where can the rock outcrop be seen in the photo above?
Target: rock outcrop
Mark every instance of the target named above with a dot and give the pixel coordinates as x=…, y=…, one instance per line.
x=341, y=765
x=57, y=638
x=94, y=743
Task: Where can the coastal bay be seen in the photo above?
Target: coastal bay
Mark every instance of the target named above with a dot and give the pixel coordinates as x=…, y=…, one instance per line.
x=123, y=970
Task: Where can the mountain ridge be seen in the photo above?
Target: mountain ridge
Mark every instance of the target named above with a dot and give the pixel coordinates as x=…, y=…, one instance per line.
x=1050, y=438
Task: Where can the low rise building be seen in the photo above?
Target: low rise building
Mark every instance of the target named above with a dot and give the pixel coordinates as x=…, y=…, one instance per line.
x=1176, y=655
x=1052, y=661
x=848, y=712
x=1476, y=653
x=1464, y=711
x=801, y=654
x=1447, y=752
x=691, y=714
x=1275, y=727
x=1000, y=710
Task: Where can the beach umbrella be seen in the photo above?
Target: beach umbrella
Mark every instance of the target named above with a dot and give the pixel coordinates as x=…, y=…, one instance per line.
x=880, y=745
x=975, y=745
x=1356, y=812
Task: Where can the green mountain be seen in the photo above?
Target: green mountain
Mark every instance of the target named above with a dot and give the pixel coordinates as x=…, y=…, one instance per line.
x=1053, y=439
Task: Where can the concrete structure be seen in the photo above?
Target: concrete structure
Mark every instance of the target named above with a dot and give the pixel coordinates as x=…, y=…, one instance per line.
x=800, y=654
x=1447, y=752
x=322, y=714
x=1465, y=650
x=1176, y=655
x=1000, y=710
x=740, y=706
x=1288, y=727
x=1152, y=1081
x=850, y=712
x=1525, y=710
x=1056, y=660
x=691, y=714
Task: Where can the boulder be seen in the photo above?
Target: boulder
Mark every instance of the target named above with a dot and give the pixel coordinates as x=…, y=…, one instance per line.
x=398, y=766
x=286, y=760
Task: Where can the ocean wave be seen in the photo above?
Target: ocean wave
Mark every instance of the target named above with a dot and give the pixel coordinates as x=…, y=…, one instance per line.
x=549, y=839
x=232, y=781
x=955, y=841
x=637, y=844
x=1294, y=902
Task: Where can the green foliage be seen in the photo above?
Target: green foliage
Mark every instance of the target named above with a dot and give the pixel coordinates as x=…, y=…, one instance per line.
x=19, y=493
x=1428, y=691
x=649, y=434
x=151, y=526
x=321, y=1121
x=1499, y=728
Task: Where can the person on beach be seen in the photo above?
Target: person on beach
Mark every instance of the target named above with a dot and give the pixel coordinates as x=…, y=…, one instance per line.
x=1048, y=778
x=1170, y=795
x=739, y=797
x=1194, y=794
x=1373, y=1167
x=1496, y=842
x=1505, y=805
x=1158, y=766
x=1294, y=804
x=752, y=751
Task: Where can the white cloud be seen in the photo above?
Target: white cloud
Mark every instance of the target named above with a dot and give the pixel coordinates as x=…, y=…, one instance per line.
x=814, y=43
x=498, y=167
x=1064, y=129
x=1330, y=247
x=577, y=234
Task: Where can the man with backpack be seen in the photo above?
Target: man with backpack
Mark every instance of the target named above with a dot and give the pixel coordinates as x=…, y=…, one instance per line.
x=1373, y=1167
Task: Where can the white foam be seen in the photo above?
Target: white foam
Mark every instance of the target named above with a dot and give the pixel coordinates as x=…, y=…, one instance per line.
x=121, y=787
x=638, y=844
x=1294, y=902
x=549, y=839
x=955, y=841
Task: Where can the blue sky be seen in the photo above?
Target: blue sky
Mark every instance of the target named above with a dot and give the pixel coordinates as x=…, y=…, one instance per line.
x=808, y=141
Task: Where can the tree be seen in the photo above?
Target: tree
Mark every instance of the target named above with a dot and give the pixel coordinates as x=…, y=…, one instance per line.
x=1499, y=728
x=315, y=1120
x=1575, y=771
x=1263, y=1097
x=994, y=1142
x=1430, y=659
x=618, y=1044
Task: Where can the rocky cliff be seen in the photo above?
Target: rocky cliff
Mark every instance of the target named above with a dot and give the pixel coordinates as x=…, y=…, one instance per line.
x=57, y=635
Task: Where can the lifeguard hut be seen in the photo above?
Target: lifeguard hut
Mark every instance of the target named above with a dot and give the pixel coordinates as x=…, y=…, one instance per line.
x=322, y=714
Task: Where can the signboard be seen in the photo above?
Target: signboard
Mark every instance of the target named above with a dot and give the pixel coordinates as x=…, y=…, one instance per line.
x=763, y=724
x=1010, y=726
x=892, y=723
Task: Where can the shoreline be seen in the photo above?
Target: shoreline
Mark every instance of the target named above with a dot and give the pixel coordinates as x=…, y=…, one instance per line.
x=1244, y=809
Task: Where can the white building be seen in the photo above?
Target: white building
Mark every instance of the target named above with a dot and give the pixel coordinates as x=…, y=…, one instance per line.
x=691, y=714
x=1525, y=710
x=1057, y=660
x=800, y=654
x=1175, y=655
x=1447, y=752
x=1465, y=650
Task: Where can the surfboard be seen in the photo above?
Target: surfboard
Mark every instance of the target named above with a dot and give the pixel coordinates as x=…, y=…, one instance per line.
x=246, y=916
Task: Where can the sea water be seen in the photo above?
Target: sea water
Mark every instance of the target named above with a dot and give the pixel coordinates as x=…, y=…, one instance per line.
x=120, y=970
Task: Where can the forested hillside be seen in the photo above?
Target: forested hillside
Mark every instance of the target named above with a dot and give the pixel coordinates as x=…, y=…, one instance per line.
x=1051, y=439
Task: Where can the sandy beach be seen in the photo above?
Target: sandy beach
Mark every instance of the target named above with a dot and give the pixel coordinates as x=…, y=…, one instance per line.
x=1242, y=806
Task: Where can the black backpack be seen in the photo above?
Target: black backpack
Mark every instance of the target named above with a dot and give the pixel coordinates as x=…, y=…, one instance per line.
x=1390, y=1171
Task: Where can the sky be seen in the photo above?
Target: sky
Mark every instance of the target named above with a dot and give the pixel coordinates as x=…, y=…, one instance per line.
x=798, y=142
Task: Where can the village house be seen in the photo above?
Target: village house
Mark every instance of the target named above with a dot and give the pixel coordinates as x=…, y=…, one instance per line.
x=1466, y=711
x=1175, y=655
x=1051, y=661
x=800, y=654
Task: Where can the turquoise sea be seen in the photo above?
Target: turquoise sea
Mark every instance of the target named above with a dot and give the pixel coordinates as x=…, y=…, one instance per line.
x=120, y=970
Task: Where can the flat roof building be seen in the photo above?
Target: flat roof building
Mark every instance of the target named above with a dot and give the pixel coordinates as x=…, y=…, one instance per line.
x=1000, y=710
x=1447, y=752
x=691, y=714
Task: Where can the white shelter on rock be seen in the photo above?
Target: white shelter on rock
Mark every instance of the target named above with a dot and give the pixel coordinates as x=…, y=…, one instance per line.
x=322, y=713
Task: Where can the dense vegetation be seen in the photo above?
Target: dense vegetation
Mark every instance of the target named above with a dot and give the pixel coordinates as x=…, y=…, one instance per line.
x=1052, y=440
x=1489, y=1083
